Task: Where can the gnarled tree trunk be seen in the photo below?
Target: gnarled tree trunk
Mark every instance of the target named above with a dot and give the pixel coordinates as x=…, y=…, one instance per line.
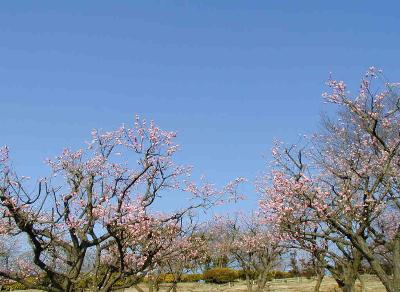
x=319, y=279
x=262, y=282
x=249, y=283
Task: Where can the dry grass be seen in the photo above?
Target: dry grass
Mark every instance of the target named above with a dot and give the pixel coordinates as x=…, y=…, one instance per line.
x=285, y=285
x=289, y=285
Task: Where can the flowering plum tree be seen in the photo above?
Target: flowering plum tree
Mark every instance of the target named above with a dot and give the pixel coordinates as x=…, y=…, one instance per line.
x=344, y=185
x=184, y=255
x=342, y=261
x=99, y=201
x=248, y=244
x=8, y=250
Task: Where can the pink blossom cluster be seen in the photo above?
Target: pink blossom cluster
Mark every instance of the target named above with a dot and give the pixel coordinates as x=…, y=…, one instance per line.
x=211, y=195
x=344, y=181
x=3, y=154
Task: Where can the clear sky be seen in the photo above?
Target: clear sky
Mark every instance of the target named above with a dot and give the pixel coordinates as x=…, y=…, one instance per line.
x=229, y=76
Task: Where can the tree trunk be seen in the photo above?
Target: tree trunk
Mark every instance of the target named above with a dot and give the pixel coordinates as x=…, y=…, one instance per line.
x=375, y=264
x=249, y=283
x=151, y=285
x=385, y=279
x=349, y=281
x=262, y=282
x=320, y=277
x=362, y=282
x=396, y=262
x=346, y=278
x=138, y=288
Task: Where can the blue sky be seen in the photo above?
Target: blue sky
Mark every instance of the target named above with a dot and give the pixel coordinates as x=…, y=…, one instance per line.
x=229, y=76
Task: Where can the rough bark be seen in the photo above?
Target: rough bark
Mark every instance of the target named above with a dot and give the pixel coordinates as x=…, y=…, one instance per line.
x=362, y=282
x=262, y=282
x=249, y=283
x=173, y=287
x=348, y=285
x=138, y=288
x=151, y=285
x=346, y=272
x=376, y=265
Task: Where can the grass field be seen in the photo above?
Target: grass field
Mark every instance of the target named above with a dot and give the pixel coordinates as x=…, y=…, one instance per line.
x=372, y=284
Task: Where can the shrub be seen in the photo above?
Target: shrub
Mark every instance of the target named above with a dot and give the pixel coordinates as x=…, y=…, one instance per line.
x=307, y=273
x=281, y=274
x=191, y=277
x=85, y=282
x=271, y=275
x=14, y=286
x=242, y=274
x=168, y=278
x=220, y=275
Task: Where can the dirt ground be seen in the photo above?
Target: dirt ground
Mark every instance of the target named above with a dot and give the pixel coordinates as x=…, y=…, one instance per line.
x=372, y=284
